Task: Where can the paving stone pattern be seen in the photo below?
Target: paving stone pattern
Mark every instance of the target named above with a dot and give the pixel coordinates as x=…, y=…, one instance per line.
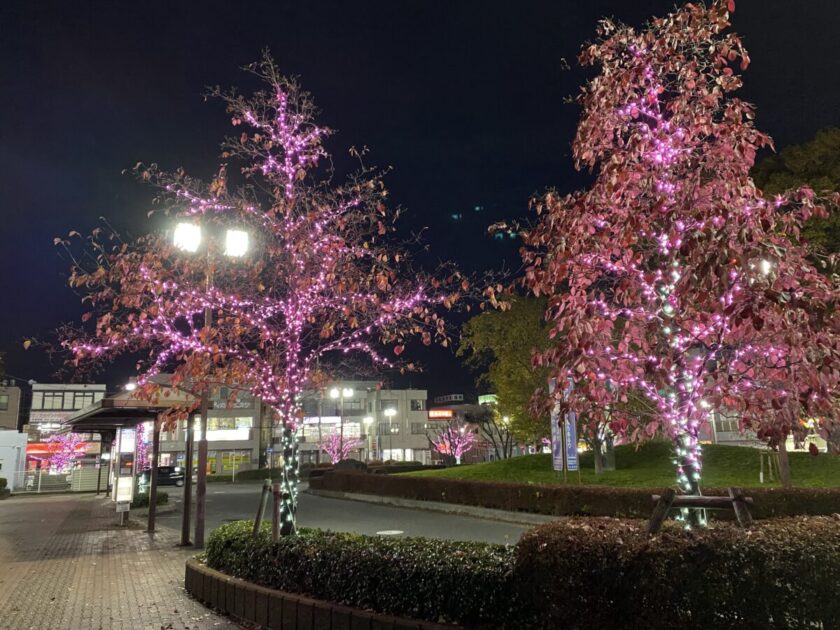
x=66, y=565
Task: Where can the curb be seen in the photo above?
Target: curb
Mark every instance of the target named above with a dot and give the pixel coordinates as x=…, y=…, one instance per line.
x=269, y=608
x=517, y=518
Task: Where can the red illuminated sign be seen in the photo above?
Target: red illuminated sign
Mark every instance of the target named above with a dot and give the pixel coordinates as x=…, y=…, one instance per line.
x=439, y=414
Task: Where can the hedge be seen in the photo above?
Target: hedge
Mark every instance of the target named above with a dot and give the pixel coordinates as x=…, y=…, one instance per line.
x=571, y=500
x=141, y=500
x=576, y=573
x=467, y=583
x=3, y=483
x=606, y=573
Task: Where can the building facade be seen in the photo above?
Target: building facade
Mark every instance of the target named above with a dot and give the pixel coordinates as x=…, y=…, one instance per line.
x=12, y=457
x=237, y=437
x=54, y=402
x=10, y=397
x=390, y=424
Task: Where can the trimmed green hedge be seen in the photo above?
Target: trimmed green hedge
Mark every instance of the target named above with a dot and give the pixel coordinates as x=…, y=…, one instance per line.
x=605, y=573
x=571, y=500
x=575, y=573
x=141, y=500
x=443, y=581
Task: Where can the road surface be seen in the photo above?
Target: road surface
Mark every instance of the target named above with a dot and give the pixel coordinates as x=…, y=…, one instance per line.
x=232, y=502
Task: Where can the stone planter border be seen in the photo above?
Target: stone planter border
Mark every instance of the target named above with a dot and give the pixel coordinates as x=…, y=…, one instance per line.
x=273, y=609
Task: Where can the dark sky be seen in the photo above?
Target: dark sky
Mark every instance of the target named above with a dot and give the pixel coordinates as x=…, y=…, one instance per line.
x=463, y=99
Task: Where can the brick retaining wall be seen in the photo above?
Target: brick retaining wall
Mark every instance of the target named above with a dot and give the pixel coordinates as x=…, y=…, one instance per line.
x=275, y=609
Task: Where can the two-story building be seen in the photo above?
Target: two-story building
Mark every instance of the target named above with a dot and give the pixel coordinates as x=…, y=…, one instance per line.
x=10, y=397
x=390, y=424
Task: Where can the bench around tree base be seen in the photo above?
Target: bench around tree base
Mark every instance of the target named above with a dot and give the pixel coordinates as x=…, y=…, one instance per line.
x=274, y=609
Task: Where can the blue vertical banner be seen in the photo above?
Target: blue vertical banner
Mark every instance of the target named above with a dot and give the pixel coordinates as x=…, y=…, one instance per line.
x=556, y=437
x=571, y=441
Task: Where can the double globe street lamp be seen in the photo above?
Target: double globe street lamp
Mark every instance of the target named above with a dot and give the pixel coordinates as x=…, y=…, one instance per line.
x=189, y=238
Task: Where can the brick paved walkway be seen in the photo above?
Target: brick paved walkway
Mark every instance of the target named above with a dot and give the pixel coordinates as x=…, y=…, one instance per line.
x=65, y=565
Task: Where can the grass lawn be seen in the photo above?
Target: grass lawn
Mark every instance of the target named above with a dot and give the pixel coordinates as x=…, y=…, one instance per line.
x=650, y=466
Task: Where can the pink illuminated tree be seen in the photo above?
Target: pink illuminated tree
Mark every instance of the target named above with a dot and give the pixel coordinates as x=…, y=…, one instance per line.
x=678, y=290
x=144, y=461
x=338, y=448
x=63, y=449
x=322, y=276
x=455, y=439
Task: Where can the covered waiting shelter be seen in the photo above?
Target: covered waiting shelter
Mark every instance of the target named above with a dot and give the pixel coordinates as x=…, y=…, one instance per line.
x=109, y=415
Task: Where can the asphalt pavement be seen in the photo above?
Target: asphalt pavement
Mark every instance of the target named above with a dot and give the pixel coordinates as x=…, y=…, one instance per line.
x=232, y=502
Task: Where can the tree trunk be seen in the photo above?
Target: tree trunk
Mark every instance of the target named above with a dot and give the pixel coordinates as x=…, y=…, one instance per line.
x=609, y=453
x=688, y=482
x=598, y=457
x=289, y=486
x=784, y=464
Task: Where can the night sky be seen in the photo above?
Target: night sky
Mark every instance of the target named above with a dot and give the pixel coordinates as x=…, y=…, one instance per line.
x=464, y=99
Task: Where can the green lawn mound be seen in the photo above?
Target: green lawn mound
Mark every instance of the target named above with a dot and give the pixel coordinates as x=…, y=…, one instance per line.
x=650, y=465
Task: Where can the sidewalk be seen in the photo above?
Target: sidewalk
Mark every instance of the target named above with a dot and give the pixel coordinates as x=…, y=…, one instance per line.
x=64, y=564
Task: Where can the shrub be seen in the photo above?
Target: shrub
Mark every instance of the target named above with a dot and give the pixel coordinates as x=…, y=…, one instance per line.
x=460, y=582
x=141, y=499
x=3, y=483
x=606, y=573
x=569, y=500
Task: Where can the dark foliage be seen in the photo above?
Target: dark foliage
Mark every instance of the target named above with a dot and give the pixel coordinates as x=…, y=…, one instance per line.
x=444, y=581
x=141, y=500
x=606, y=573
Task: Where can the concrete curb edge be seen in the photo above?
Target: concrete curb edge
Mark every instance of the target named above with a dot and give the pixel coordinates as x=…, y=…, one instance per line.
x=518, y=518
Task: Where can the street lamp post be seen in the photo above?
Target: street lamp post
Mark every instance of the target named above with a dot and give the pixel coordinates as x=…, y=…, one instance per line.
x=341, y=394
x=368, y=420
x=188, y=238
x=390, y=413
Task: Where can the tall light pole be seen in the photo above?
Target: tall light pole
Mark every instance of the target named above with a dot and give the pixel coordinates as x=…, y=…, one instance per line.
x=188, y=237
x=368, y=420
x=341, y=394
x=390, y=413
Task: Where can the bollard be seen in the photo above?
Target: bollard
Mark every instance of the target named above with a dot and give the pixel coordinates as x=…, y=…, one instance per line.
x=275, y=513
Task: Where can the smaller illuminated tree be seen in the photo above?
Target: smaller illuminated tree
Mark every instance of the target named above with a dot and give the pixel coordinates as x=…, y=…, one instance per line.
x=337, y=448
x=454, y=440
x=63, y=448
x=143, y=457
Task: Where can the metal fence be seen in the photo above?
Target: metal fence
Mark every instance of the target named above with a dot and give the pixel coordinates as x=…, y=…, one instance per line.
x=83, y=478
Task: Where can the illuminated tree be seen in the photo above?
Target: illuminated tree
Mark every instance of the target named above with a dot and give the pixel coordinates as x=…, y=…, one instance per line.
x=144, y=461
x=63, y=449
x=338, y=448
x=455, y=439
x=672, y=279
x=322, y=275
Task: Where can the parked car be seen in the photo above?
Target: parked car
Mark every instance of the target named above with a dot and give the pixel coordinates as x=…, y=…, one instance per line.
x=167, y=476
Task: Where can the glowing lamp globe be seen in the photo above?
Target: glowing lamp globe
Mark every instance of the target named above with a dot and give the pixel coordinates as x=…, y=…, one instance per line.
x=236, y=243
x=187, y=237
